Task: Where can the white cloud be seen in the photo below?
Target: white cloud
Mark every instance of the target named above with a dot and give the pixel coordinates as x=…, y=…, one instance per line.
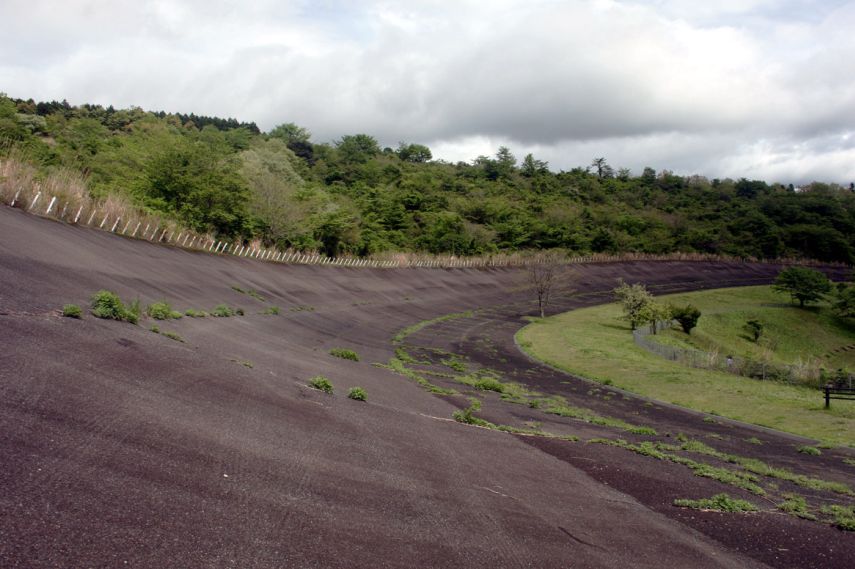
x=750, y=88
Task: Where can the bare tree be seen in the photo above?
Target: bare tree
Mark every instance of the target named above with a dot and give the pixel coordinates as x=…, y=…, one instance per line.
x=544, y=278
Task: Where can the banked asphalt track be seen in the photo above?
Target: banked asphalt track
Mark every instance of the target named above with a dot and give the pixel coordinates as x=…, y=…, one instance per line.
x=123, y=448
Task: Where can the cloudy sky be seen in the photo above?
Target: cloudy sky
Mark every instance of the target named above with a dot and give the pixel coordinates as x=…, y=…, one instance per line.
x=753, y=88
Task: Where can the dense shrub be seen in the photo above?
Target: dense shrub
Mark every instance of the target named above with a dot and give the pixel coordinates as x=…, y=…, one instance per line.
x=222, y=311
x=71, y=311
x=344, y=354
x=687, y=316
x=162, y=311
x=321, y=383
x=357, y=394
x=107, y=304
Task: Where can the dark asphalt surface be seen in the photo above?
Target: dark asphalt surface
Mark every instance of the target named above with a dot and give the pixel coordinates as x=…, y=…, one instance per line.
x=123, y=448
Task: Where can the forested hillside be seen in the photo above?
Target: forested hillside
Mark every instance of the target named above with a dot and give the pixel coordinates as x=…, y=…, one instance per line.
x=352, y=196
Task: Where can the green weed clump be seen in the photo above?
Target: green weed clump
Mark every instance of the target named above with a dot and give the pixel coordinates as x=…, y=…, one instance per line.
x=807, y=449
x=272, y=311
x=718, y=503
x=107, y=304
x=357, y=394
x=71, y=311
x=162, y=311
x=467, y=417
x=173, y=336
x=222, y=311
x=154, y=328
x=192, y=313
x=797, y=506
x=344, y=354
x=843, y=516
x=321, y=383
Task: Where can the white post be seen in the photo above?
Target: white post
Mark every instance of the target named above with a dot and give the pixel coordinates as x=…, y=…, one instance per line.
x=35, y=199
x=137, y=228
x=64, y=209
x=125, y=230
x=103, y=221
x=50, y=205
x=212, y=245
x=15, y=198
x=171, y=233
x=113, y=230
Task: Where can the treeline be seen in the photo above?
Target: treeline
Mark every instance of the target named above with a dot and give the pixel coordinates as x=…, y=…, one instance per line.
x=352, y=196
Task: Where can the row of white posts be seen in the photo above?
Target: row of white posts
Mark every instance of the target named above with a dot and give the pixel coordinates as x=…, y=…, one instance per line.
x=189, y=240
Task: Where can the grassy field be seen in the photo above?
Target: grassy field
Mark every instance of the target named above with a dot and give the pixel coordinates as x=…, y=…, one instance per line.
x=595, y=343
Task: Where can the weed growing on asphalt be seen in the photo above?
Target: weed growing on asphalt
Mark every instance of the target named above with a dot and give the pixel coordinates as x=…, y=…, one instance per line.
x=807, y=449
x=106, y=304
x=718, y=503
x=222, y=311
x=302, y=308
x=344, y=354
x=173, y=336
x=843, y=516
x=192, y=313
x=849, y=461
x=154, y=328
x=244, y=363
x=253, y=293
x=162, y=311
x=71, y=311
x=321, y=383
x=271, y=311
x=754, y=441
x=357, y=394
x=796, y=505
x=466, y=415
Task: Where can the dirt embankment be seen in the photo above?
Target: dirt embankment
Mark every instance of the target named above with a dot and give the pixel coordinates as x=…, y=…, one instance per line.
x=121, y=447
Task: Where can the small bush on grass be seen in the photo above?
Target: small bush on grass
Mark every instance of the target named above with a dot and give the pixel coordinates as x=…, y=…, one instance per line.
x=806, y=449
x=718, y=503
x=321, y=383
x=106, y=304
x=345, y=354
x=162, y=311
x=687, y=316
x=71, y=311
x=357, y=394
x=222, y=311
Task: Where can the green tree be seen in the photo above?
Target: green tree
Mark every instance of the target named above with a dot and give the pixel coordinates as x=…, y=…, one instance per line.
x=687, y=316
x=802, y=284
x=532, y=167
x=414, y=153
x=357, y=148
x=845, y=304
x=635, y=300
x=290, y=133
x=655, y=313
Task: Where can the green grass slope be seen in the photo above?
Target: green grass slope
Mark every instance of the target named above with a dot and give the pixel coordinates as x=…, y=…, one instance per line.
x=596, y=343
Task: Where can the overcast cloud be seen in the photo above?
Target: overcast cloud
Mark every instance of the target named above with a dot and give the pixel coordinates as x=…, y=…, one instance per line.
x=753, y=88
